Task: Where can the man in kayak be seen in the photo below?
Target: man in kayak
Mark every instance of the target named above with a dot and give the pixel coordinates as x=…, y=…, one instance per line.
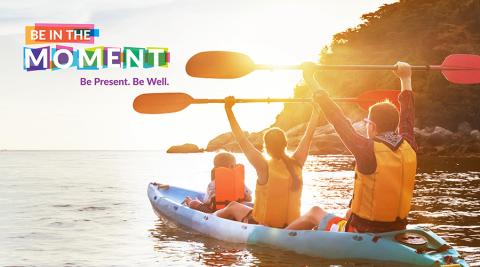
x=385, y=163
x=228, y=174
x=279, y=183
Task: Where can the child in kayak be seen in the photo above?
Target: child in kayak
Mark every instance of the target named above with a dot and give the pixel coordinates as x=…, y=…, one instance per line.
x=231, y=185
x=385, y=163
x=279, y=184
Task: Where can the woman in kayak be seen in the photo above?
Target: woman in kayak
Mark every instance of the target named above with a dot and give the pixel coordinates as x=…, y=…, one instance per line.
x=279, y=183
x=225, y=172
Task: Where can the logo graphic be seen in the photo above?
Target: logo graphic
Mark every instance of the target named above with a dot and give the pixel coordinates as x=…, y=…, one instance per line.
x=57, y=57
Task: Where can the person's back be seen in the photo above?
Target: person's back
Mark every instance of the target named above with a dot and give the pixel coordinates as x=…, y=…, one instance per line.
x=277, y=203
x=386, y=194
x=385, y=164
x=382, y=198
x=227, y=184
x=279, y=183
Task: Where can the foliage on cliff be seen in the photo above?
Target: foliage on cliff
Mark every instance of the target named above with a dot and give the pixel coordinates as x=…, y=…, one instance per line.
x=420, y=32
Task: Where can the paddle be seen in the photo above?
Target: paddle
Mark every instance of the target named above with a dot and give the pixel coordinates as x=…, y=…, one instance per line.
x=456, y=68
x=160, y=103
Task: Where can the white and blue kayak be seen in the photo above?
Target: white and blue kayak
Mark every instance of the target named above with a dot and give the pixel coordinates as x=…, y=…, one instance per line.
x=413, y=247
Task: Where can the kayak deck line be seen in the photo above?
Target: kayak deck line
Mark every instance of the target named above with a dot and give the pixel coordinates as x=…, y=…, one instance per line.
x=377, y=247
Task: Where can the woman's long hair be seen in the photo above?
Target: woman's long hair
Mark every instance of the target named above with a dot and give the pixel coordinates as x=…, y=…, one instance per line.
x=275, y=143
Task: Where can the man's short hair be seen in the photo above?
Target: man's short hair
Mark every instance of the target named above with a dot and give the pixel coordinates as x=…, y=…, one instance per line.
x=385, y=116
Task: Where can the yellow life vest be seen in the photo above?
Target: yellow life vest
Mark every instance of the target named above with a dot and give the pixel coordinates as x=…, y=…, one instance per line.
x=276, y=204
x=386, y=194
x=229, y=185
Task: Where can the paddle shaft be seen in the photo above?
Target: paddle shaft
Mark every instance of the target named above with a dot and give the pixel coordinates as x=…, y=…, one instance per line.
x=355, y=67
x=161, y=103
x=279, y=100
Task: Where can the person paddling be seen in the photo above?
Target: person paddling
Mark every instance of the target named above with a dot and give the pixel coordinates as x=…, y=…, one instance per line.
x=385, y=163
x=279, y=184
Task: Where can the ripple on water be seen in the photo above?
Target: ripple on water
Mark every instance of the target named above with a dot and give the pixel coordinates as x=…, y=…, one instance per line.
x=93, y=208
x=62, y=206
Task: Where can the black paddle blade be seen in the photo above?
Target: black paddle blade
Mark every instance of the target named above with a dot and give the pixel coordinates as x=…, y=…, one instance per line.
x=219, y=65
x=160, y=103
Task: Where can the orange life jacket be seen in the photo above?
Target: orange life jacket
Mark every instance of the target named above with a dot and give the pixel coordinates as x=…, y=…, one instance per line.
x=229, y=185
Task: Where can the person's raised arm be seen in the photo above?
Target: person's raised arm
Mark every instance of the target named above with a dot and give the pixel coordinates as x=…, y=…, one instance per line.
x=301, y=153
x=254, y=156
x=333, y=113
x=358, y=145
x=404, y=73
x=407, y=107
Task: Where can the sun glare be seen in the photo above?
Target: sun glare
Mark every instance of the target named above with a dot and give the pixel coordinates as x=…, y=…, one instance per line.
x=294, y=56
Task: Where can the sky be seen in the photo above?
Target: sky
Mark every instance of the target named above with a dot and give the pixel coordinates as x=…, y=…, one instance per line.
x=50, y=110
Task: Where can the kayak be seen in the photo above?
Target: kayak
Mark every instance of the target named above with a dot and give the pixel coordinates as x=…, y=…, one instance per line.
x=416, y=246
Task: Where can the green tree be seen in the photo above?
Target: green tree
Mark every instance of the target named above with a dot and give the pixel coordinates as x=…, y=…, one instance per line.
x=420, y=32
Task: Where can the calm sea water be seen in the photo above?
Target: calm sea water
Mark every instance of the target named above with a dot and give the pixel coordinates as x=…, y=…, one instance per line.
x=90, y=208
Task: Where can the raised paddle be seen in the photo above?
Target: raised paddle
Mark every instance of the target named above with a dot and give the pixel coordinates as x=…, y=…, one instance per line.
x=161, y=103
x=456, y=68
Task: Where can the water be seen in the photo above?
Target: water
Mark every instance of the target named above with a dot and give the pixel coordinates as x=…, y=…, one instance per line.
x=89, y=208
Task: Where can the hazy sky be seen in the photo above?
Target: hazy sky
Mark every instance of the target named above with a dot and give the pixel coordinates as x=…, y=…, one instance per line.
x=50, y=110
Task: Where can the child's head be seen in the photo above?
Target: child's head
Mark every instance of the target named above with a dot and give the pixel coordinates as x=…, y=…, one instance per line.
x=224, y=159
x=382, y=117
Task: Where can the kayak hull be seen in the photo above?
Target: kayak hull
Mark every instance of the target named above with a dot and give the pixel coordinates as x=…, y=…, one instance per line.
x=166, y=202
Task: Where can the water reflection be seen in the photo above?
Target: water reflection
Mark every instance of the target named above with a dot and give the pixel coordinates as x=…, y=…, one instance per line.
x=173, y=240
